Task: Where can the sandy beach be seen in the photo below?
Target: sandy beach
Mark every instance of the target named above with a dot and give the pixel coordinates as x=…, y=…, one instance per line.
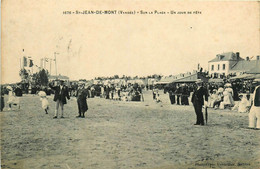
x=118, y=135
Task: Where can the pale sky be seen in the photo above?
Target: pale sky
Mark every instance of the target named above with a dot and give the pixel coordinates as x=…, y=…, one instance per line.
x=105, y=45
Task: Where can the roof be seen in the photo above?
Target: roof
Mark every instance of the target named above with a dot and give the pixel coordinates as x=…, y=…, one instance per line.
x=192, y=78
x=247, y=76
x=245, y=65
x=255, y=69
x=166, y=80
x=229, y=56
x=243, y=76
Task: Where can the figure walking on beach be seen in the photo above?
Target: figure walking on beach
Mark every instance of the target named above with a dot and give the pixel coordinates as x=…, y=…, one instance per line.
x=198, y=101
x=81, y=95
x=61, y=93
x=44, y=100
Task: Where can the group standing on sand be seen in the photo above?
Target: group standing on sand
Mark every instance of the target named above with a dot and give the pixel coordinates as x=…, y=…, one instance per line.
x=61, y=94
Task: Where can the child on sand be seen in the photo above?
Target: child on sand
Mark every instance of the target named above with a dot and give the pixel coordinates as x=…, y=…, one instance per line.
x=45, y=103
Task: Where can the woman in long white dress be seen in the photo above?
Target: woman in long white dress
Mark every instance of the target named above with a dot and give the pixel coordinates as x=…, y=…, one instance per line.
x=254, y=114
x=243, y=105
x=213, y=98
x=44, y=100
x=227, y=101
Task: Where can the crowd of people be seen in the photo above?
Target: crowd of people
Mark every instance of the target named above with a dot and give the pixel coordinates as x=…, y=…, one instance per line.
x=217, y=96
x=235, y=96
x=179, y=93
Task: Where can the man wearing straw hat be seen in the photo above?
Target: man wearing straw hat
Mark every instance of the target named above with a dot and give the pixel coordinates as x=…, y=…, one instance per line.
x=61, y=93
x=198, y=101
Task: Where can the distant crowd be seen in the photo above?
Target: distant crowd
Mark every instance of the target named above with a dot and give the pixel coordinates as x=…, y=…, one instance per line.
x=221, y=96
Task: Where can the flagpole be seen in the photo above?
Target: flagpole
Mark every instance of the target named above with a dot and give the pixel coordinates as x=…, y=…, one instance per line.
x=23, y=60
x=44, y=62
x=55, y=62
x=50, y=66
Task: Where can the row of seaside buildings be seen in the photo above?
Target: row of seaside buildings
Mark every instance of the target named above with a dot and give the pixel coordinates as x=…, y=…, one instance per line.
x=223, y=66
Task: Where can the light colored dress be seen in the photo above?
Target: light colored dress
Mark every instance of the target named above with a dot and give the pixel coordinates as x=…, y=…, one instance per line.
x=244, y=103
x=254, y=114
x=45, y=103
x=212, y=99
x=228, y=100
x=11, y=97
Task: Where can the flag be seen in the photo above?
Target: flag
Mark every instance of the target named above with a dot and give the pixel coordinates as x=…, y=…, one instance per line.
x=30, y=63
x=24, y=61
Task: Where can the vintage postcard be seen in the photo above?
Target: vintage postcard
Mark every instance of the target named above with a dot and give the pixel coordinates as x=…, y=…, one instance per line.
x=130, y=84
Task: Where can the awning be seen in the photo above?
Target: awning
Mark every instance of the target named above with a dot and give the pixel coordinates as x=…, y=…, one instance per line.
x=244, y=76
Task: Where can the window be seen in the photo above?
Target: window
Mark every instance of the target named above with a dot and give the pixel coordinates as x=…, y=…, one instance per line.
x=224, y=66
x=212, y=67
x=218, y=66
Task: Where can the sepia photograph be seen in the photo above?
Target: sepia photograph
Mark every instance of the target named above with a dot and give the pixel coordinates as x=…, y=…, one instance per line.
x=130, y=84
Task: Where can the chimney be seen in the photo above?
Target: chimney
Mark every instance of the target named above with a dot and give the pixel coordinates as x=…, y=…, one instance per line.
x=237, y=55
x=257, y=57
x=247, y=58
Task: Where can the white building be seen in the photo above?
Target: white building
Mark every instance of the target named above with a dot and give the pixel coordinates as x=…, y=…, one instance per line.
x=223, y=63
x=231, y=63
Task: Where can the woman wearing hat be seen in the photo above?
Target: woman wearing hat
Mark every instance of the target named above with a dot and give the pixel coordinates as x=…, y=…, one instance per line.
x=254, y=115
x=81, y=95
x=213, y=98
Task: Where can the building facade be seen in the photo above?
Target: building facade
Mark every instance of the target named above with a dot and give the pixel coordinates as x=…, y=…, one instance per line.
x=223, y=63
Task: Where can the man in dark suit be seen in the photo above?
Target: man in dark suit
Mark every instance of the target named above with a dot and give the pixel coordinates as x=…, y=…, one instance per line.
x=172, y=94
x=60, y=95
x=198, y=101
x=178, y=92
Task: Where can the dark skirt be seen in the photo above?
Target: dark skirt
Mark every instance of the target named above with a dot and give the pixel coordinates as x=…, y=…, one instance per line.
x=82, y=105
x=2, y=103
